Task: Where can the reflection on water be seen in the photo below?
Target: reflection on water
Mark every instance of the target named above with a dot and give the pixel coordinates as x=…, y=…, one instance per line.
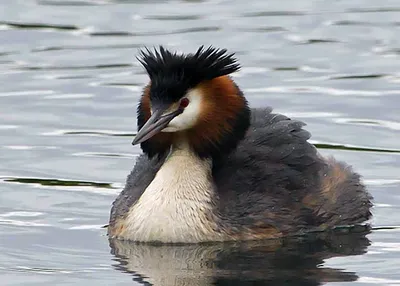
x=294, y=261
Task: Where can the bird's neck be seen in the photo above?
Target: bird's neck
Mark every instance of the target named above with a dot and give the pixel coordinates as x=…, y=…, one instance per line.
x=179, y=205
x=185, y=172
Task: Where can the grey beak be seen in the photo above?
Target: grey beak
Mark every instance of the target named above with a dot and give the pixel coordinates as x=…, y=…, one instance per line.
x=155, y=124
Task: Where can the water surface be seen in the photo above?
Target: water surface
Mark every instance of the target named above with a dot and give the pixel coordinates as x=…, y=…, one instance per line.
x=69, y=88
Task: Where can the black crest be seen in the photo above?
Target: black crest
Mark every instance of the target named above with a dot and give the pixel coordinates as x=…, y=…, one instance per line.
x=172, y=74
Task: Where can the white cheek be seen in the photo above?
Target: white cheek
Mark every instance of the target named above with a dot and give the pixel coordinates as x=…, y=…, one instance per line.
x=189, y=117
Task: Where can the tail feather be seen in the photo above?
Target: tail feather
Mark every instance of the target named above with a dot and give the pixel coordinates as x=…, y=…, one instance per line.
x=341, y=200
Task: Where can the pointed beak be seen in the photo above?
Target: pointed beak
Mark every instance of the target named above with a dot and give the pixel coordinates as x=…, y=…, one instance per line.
x=157, y=122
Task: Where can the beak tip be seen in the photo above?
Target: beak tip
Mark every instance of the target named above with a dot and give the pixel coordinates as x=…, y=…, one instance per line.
x=155, y=124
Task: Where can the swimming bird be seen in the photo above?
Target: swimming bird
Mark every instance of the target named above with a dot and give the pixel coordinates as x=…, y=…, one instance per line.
x=213, y=169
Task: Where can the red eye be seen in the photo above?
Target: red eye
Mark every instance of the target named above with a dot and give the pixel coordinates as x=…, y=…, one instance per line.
x=184, y=102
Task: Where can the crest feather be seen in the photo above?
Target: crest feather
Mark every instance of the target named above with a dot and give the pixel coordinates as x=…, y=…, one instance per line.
x=205, y=64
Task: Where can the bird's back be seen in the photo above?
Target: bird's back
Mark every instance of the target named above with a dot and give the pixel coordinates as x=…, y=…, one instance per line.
x=276, y=179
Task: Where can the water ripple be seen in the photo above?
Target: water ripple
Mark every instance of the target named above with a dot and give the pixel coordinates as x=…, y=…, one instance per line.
x=38, y=26
x=87, y=67
x=156, y=33
x=378, y=281
x=27, y=147
x=57, y=182
x=40, y=270
x=70, y=96
x=99, y=188
x=21, y=214
x=72, y=2
x=89, y=133
x=21, y=223
x=368, y=122
x=285, y=69
x=386, y=228
x=271, y=29
x=381, y=182
x=322, y=90
x=9, y=219
x=347, y=147
x=360, y=23
x=26, y=93
x=7, y=126
x=374, y=10
x=85, y=47
x=86, y=226
x=304, y=41
x=112, y=155
x=112, y=34
x=2, y=54
x=61, y=77
x=173, y=17
x=129, y=86
x=274, y=14
x=361, y=76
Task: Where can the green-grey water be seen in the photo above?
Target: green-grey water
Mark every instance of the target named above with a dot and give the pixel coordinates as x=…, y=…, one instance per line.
x=69, y=88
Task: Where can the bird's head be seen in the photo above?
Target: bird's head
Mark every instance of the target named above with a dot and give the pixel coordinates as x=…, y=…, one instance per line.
x=191, y=97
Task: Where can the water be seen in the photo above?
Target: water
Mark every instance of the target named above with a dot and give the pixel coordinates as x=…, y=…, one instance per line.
x=69, y=87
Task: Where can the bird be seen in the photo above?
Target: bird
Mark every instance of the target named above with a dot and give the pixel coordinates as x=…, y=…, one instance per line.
x=213, y=169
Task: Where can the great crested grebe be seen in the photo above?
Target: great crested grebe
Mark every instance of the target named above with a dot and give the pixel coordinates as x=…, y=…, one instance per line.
x=215, y=170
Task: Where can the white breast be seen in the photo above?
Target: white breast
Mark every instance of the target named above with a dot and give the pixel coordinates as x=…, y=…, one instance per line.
x=178, y=205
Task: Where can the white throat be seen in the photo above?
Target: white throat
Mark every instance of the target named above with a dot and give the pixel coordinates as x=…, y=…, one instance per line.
x=179, y=204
